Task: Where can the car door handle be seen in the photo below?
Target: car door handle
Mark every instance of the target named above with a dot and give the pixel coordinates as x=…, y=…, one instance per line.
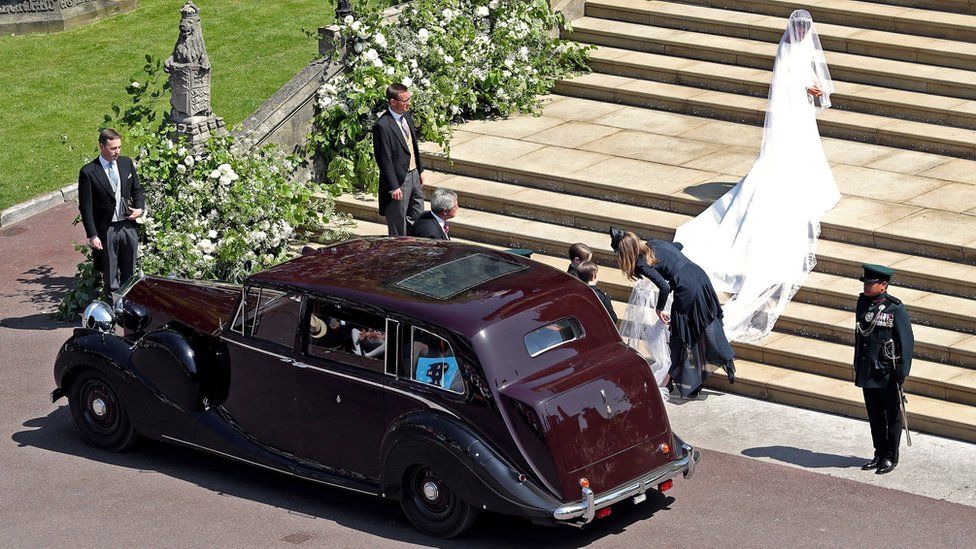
x=300, y=364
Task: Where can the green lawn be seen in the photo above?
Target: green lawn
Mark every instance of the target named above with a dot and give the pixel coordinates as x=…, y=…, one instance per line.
x=57, y=87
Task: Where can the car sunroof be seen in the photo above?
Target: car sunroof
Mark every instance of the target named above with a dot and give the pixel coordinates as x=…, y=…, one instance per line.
x=449, y=279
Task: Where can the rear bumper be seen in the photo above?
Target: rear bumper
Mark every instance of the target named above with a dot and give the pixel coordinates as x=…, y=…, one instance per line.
x=582, y=512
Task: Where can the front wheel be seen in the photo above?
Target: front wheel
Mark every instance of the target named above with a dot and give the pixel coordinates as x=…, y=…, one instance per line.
x=433, y=507
x=99, y=414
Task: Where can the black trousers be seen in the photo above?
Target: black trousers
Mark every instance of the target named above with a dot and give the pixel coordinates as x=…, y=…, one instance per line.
x=117, y=259
x=400, y=214
x=884, y=415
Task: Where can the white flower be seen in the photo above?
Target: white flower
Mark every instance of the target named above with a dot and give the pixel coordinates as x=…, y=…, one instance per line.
x=170, y=144
x=448, y=59
x=380, y=40
x=355, y=25
x=189, y=161
x=215, y=174
x=180, y=168
x=181, y=151
x=358, y=47
x=371, y=55
x=206, y=246
x=135, y=84
x=482, y=11
x=407, y=81
x=211, y=234
x=413, y=63
x=447, y=14
x=524, y=52
x=225, y=169
x=493, y=4
x=347, y=20
x=423, y=34
x=377, y=62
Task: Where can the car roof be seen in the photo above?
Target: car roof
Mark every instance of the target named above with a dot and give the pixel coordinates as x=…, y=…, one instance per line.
x=401, y=275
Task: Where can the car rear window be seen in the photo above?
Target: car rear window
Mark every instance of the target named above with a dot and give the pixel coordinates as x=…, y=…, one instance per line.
x=449, y=279
x=552, y=335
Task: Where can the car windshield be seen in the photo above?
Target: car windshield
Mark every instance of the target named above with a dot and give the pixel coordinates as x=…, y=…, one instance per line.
x=450, y=279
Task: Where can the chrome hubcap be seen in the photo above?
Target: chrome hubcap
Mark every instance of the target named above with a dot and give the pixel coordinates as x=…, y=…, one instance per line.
x=98, y=406
x=431, y=492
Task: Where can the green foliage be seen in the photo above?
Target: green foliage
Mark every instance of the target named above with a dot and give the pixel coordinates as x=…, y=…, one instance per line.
x=462, y=59
x=87, y=288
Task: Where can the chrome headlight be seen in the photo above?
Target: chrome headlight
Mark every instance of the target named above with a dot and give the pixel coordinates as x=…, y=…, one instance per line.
x=98, y=316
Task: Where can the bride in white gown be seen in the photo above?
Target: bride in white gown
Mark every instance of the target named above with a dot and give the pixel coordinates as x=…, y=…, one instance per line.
x=757, y=242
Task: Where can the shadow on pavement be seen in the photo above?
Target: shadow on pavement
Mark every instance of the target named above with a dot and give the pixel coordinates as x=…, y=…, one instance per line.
x=39, y=321
x=709, y=192
x=803, y=457
x=55, y=432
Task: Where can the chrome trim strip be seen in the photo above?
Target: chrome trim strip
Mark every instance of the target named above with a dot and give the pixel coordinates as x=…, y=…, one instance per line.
x=275, y=469
x=587, y=507
x=258, y=349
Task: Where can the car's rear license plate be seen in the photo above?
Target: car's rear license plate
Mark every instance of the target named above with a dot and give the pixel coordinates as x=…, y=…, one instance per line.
x=639, y=498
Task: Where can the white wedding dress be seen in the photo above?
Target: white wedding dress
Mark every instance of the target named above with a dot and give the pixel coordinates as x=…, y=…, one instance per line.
x=758, y=241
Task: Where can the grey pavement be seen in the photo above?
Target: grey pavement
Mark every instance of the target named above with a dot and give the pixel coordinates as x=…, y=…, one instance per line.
x=825, y=443
x=57, y=491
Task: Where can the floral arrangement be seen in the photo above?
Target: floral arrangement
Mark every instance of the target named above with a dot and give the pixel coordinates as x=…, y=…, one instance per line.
x=221, y=212
x=461, y=59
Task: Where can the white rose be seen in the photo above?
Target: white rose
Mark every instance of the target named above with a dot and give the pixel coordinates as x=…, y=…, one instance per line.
x=358, y=47
x=407, y=81
x=448, y=59
x=189, y=161
x=181, y=168
x=347, y=20
x=447, y=14
x=481, y=11
x=225, y=168
x=423, y=35
x=355, y=25
x=181, y=151
x=380, y=40
x=212, y=234
x=389, y=71
x=377, y=62
x=493, y=4
x=524, y=52
x=371, y=55
x=215, y=174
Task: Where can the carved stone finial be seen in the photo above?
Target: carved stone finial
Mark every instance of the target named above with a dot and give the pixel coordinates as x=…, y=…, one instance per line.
x=343, y=8
x=189, y=77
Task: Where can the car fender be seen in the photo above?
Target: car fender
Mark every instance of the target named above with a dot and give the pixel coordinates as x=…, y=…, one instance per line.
x=467, y=464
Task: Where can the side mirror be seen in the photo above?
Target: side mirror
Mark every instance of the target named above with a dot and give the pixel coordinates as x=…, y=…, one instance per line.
x=98, y=316
x=132, y=316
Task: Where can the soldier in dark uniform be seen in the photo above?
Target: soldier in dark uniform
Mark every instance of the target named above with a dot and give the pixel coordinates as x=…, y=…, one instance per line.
x=883, y=345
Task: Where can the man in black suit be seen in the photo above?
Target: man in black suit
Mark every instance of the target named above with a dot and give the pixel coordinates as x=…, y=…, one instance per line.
x=433, y=223
x=110, y=199
x=398, y=158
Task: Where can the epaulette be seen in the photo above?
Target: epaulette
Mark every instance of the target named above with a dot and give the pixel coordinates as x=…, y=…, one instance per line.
x=894, y=300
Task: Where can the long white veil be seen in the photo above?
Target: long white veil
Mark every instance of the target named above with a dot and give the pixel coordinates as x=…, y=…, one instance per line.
x=641, y=329
x=758, y=241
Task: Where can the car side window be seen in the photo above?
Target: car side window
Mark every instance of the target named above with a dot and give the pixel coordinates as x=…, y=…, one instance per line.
x=433, y=362
x=352, y=337
x=552, y=335
x=269, y=315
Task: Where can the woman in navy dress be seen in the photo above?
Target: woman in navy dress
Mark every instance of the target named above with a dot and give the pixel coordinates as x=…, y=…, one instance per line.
x=697, y=343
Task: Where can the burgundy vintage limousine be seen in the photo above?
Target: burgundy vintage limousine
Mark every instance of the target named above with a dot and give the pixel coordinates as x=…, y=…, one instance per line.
x=449, y=377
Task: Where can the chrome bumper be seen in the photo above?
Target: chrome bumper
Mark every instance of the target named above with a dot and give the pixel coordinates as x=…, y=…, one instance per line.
x=590, y=503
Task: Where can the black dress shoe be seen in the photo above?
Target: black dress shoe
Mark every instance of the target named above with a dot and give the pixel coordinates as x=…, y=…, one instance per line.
x=886, y=466
x=873, y=464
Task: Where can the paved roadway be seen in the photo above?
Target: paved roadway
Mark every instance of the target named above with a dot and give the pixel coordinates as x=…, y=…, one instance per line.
x=55, y=490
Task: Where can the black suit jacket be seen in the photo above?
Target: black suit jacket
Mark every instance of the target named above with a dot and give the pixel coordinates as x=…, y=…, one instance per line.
x=607, y=303
x=392, y=155
x=426, y=226
x=96, y=200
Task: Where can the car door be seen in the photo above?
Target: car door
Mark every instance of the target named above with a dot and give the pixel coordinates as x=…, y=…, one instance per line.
x=261, y=392
x=341, y=380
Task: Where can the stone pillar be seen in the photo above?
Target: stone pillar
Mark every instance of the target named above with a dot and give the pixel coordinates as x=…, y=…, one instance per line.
x=189, y=77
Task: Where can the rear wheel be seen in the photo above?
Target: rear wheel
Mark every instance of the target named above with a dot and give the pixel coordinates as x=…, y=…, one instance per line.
x=432, y=506
x=98, y=412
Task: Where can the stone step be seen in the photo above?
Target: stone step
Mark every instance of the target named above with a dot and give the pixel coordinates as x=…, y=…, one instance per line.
x=941, y=381
x=876, y=100
x=805, y=319
x=948, y=312
x=951, y=6
x=744, y=52
x=593, y=171
x=842, y=397
x=852, y=40
x=780, y=384
x=868, y=15
x=855, y=126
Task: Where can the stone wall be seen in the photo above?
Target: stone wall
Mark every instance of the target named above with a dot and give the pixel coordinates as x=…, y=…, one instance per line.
x=28, y=16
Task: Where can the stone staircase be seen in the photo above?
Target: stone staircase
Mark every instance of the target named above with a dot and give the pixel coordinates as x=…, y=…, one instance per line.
x=670, y=118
